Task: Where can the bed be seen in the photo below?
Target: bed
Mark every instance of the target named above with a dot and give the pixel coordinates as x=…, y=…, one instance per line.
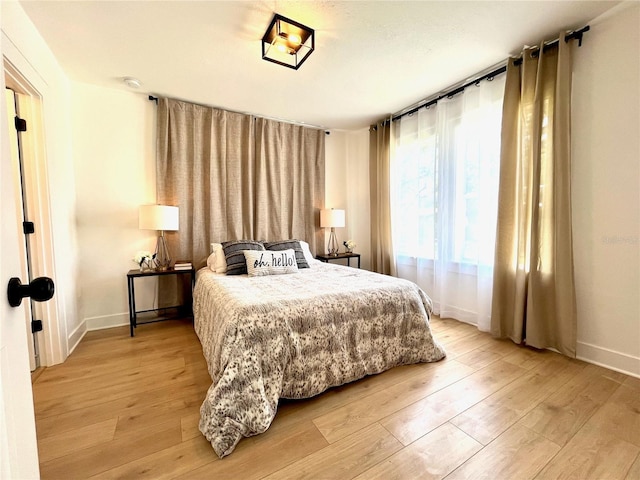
x=294, y=336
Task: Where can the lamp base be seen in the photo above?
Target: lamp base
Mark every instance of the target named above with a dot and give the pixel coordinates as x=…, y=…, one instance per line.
x=163, y=259
x=332, y=246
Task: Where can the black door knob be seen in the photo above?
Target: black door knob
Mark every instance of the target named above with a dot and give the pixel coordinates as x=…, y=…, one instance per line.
x=40, y=289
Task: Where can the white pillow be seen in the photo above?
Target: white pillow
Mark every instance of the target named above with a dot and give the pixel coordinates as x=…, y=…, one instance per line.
x=211, y=262
x=307, y=252
x=217, y=261
x=270, y=262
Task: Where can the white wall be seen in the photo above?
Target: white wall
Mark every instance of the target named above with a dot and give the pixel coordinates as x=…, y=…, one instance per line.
x=336, y=171
x=114, y=158
x=606, y=186
x=25, y=49
x=347, y=187
x=358, y=194
x=335, y=194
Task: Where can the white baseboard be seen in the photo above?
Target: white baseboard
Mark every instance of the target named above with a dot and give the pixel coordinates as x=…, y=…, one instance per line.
x=107, y=321
x=78, y=333
x=611, y=359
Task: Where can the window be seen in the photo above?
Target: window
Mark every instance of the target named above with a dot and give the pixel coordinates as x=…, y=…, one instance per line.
x=415, y=204
x=445, y=169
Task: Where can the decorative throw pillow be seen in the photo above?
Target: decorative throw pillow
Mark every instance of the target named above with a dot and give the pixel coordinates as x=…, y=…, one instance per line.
x=270, y=262
x=234, y=257
x=286, y=245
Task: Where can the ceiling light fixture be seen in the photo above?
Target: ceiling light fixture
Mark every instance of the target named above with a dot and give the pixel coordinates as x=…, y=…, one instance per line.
x=287, y=42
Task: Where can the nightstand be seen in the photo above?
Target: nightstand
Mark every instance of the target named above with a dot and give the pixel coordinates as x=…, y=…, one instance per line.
x=328, y=258
x=161, y=313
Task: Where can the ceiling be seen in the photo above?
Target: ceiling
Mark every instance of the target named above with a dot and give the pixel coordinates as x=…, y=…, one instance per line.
x=372, y=58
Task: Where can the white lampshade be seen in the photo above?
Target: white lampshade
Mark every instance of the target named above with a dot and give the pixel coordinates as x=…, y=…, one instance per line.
x=331, y=218
x=158, y=217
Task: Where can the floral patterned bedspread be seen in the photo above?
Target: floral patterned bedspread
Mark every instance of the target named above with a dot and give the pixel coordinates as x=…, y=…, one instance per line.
x=295, y=335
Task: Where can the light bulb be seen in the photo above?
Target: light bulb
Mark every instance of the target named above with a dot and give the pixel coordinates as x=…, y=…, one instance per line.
x=295, y=39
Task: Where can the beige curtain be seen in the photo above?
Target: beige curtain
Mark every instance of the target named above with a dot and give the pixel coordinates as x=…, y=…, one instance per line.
x=289, y=182
x=533, y=288
x=236, y=177
x=382, y=258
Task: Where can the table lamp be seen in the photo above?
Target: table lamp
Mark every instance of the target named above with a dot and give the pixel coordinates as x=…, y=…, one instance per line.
x=331, y=219
x=161, y=218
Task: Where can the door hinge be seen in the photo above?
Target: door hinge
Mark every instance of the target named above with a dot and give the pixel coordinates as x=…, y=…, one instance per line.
x=21, y=124
x=28, y=228
x=36, y=326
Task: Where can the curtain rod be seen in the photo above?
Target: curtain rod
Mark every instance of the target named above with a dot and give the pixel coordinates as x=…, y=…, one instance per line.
x=576, y=34
x=327, y=132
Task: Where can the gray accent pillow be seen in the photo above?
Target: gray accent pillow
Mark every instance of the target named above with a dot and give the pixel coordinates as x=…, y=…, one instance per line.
x=234, y=254
x=289, y=244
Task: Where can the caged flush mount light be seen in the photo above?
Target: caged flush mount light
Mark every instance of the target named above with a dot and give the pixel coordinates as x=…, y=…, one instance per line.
x=287, y=42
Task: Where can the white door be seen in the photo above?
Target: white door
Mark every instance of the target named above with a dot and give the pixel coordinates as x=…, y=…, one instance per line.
x=18, y=446
x=18, y=173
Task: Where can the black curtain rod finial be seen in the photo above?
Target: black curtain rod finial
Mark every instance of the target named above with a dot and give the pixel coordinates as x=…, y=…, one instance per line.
x=153, y=99
x=577, y=34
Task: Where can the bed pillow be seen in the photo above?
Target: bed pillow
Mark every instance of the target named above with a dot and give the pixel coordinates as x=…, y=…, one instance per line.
x=211, y=262
x=307, y=253
x=234, y=257
x=287, y=245
x=217, y=261
x=270, y=262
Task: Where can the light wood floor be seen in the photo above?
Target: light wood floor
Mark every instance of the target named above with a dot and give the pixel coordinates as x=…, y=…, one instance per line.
x=124, y=407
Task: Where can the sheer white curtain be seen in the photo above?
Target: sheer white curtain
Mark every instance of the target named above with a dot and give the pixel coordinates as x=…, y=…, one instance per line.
x=444, y=180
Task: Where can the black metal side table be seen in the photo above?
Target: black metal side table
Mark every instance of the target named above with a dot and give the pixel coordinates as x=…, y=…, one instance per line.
x=185, y=308
x=328, y=258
